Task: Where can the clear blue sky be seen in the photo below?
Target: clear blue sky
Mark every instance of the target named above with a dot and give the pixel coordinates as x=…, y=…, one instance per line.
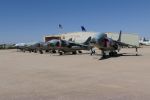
x=30, y=20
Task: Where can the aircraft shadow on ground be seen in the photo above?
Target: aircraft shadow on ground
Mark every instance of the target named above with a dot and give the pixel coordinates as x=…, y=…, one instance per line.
x=119, y=55
x=98, y=55
x=69, y=54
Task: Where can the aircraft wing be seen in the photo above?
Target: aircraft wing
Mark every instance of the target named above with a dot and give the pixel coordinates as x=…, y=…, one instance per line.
x=125, y=44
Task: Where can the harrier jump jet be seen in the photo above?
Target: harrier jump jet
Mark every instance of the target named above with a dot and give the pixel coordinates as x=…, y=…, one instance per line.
x=64, y=46
x=108, y=45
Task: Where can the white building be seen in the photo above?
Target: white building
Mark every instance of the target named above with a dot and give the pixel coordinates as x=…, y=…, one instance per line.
x=75, y=36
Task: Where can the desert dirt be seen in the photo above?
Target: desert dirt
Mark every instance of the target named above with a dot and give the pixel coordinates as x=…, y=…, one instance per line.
x=32, y=76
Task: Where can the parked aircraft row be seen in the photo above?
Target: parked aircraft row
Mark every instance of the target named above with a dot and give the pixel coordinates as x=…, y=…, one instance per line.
x=62, y=46
x=108, y=46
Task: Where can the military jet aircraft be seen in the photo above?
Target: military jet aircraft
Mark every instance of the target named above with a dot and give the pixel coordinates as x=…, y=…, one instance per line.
x=31, y=47
x=108, y=45
x=20, y=46
x=49, y=47
x=64, y=46
x=37, y=47
x=143, y=41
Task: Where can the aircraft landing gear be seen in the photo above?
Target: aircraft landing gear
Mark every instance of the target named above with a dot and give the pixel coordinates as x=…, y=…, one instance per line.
x=74, y=52
x=41, y=52
x=35, y=51
x=80, y=51
x=92, y=51
x=53, y=51
x=103, y=54
x=106, y=54
x=60, y=53
x=113, y=53
x=136, y=49
x=46, y=51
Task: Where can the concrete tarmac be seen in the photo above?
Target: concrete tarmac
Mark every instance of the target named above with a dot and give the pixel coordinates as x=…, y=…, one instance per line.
x=30, y=76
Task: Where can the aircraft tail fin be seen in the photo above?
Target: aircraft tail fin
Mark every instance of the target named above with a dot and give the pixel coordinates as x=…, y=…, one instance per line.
x=87, y=41
x=119, y=39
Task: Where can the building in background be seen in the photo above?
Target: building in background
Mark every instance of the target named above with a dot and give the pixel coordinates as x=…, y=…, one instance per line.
x=74, y=36
x=129, y=38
